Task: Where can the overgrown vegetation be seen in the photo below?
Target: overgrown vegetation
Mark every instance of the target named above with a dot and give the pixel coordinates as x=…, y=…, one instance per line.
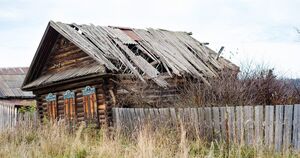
x=54, y=140
x=247, y=88
x=258, y=86
x=253, y=85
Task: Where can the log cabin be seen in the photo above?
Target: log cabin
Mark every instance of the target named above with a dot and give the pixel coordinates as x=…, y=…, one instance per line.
x=12, y=98
x=79, y=72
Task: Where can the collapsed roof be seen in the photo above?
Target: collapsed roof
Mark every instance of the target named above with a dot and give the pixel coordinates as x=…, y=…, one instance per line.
x=147, y=53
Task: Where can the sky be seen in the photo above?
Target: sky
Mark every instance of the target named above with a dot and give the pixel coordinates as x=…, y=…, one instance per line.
x=252, y=31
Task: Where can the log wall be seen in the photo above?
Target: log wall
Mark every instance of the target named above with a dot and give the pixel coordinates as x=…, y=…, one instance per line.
x=65, y=55
x=135, y=93
x=103, y=97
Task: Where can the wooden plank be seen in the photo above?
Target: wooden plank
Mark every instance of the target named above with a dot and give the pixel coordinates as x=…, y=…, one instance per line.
x=137, y=118
x=173, y=116
x=269, y=120
x=194, y=119
x=123, y=117
x=134, y=119
x=168, y=115
x=128, y=121
x=187, y=117
x=258, y=125
x=208, y=121
x=180, y=115
x=156, y=119
x=216, y=122
x=116, y=119
x=296, y=128
x=240, y=125
x=147, y=114
x=142, y=114
x=249, y=127
x=223, y=123
x=231, y=124
x=278, y=127
x=287, y=131
x=162, y=115
x=151, y=114
x=201, y=116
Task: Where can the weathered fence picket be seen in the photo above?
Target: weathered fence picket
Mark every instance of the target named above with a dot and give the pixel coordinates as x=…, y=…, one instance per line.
x=269, y=120
x=287, y=134
x=276, y=127
x=296, y=127
x=258, y=125
x=248, y=124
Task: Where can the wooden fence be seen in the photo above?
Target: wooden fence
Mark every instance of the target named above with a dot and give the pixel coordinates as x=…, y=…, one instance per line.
x=276, y=127
x=10, y=116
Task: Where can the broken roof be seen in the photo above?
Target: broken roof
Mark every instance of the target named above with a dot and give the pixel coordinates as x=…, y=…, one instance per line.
x=143, y=53
x=11, y=80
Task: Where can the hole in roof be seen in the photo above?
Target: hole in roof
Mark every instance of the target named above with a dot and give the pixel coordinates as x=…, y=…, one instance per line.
x=131, y=34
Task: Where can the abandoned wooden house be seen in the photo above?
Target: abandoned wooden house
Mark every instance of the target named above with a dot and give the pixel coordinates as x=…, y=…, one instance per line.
x=80, y=72
x=12, y=98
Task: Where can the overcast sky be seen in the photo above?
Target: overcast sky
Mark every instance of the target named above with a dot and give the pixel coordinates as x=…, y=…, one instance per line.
x=250, y=30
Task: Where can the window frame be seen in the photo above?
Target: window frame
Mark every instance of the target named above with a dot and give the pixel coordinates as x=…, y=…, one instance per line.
x=70, y=112
x=52, y=109
x=90, y=106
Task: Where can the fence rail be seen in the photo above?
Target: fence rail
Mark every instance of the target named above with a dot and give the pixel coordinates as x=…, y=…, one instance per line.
x=276, y=127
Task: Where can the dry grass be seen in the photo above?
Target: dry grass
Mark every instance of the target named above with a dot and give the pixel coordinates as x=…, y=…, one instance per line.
x=55, y=141
x=252, y=86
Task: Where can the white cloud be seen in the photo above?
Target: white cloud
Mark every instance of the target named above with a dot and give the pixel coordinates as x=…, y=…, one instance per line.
x=263, y=30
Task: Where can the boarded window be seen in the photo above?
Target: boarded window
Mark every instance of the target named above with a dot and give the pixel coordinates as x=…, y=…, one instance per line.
x=90, y=104
x=51, y=106
x=69, y=106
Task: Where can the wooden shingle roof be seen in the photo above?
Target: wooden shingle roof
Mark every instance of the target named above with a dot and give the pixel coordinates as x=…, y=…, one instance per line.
x=136, y=50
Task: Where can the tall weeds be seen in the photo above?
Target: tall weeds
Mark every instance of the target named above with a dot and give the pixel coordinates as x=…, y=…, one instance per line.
x=258, y=86
x=55, y=140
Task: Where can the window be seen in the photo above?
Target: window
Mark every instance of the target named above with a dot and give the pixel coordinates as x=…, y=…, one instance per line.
x=69, y=106
x=89, y=103
x=51, y=106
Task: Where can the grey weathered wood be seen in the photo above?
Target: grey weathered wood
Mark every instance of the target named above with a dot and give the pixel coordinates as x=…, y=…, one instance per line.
x=258, y=125
x=231, y=124
x=181, y=115
x=240, y=124
x=151, y=114
x=173, y=116
x=287, y=131
x=130, y=120
x=223, y=122
x=208, y=121
x=162, y=115
x=296, y=127
x=186, y=116
x=115, y=115
x=248, y=123
x=216, y=122
x=137, y=118
x=201, y=119
x=195, y=121
x=278, y=127
x=269, y=120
